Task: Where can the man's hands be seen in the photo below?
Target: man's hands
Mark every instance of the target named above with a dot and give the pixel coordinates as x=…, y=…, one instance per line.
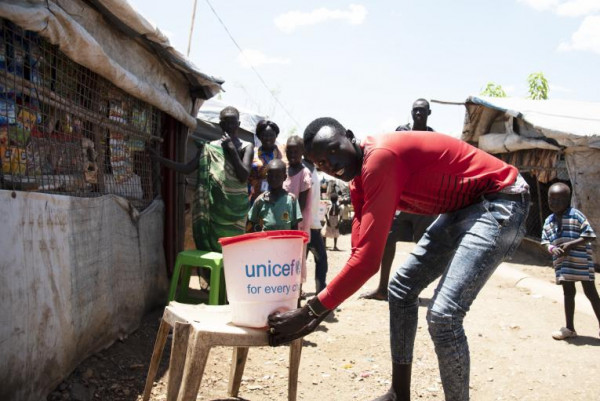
x=226, y=142
x=288, y=326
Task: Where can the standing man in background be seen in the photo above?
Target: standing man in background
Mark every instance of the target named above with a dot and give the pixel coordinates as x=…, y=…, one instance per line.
x=405, y=226
x=420, y=112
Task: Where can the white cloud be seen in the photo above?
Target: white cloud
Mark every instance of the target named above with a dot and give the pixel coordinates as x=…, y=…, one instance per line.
x=560, y=89
x=578, y=8
x=568, y=8
x=587, y=37
x=253, y=58
x=288, y=22
x=540, y=5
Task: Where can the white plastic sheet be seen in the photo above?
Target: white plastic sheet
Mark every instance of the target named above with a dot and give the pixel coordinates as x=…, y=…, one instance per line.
x=77, y=274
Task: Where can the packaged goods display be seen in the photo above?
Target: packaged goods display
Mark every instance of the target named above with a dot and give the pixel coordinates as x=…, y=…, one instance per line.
x=64, y=129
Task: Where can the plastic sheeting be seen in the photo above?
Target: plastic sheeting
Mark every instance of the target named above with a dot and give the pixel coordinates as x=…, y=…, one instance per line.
x=569, y=123
x=121, y=46
x=77, y=273
x=503, y=143
x=211, y=109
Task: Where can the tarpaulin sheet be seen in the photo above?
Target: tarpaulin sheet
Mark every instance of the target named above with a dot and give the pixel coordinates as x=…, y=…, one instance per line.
x=504, y=143
x=77, y=274
x=117, y=43
x=569, y=123
x=210, y=110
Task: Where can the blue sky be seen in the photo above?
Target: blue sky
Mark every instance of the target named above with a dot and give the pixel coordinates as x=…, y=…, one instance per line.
x=365, y=63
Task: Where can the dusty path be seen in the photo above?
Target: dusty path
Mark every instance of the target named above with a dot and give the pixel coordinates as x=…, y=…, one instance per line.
x=513, y=356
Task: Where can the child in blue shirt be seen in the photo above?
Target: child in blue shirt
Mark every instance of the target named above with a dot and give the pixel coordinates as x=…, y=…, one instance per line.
x=567, y=235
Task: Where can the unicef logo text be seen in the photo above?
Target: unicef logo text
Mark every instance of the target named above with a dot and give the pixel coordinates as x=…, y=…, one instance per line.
x=275, y=270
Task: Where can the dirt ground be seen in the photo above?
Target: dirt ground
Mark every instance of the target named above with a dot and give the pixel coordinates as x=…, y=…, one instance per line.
x=513, y=356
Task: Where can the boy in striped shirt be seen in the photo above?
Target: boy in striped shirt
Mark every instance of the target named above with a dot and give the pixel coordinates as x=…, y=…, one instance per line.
x=567, y=235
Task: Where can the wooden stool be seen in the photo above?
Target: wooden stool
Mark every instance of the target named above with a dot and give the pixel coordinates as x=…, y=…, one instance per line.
x=197, y=328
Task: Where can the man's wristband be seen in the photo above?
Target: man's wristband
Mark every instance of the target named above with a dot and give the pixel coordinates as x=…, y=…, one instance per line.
x=551, y=248
x=315, y=307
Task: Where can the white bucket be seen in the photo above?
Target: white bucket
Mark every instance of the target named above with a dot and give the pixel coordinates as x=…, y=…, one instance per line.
x=263, y=273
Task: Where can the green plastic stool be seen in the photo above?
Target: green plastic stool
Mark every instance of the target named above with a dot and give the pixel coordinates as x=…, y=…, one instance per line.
x=204, y=259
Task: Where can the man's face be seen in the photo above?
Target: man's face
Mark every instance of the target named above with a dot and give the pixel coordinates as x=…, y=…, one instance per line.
x=335, y=154
x=229, y=123
x=420, y=112
x=276, y=177
x=558, y=199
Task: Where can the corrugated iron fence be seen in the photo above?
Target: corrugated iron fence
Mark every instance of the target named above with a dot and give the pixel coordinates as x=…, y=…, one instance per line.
x=65, y=129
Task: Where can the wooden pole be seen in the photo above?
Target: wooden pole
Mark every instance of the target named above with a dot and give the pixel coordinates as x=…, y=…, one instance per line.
x=191, y=28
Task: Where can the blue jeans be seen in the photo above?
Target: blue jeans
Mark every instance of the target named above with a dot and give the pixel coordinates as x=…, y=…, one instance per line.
x=317, y=247
x=464, y=248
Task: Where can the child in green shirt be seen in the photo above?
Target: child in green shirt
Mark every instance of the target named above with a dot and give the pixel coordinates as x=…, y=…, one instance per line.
x=275, y=209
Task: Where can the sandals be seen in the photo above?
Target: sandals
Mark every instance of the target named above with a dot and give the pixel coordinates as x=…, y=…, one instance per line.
x=563, y=334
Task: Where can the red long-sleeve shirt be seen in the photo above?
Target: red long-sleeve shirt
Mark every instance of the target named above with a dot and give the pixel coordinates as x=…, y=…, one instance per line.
x=417, y=172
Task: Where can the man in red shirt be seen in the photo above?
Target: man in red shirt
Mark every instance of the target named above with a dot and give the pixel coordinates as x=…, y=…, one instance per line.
x=483, y=204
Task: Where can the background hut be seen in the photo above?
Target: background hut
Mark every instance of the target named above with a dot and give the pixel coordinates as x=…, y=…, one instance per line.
x=85, y=87
x=549, y=141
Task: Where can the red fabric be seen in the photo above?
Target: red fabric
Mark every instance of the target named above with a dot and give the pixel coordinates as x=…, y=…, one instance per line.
x=414, y=171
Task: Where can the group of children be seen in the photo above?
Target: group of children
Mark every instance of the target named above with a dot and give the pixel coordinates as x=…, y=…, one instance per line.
x=288, y=204
x=284, y=205
x=232, y=176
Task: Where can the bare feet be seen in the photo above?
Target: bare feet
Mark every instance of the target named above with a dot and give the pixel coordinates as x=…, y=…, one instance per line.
x=375, y=294
x=336, y=248
x=389, y=396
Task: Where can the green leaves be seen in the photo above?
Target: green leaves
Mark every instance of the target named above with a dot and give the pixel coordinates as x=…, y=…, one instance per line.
x=493, y=90
x=538, y=86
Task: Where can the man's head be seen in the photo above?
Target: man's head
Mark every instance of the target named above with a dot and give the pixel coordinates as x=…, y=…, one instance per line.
x=266, y=132
x=276, y=174
x=420, y=112
x=332, y=148
x=229, y=120
x=294, y=149
x=559, y=198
